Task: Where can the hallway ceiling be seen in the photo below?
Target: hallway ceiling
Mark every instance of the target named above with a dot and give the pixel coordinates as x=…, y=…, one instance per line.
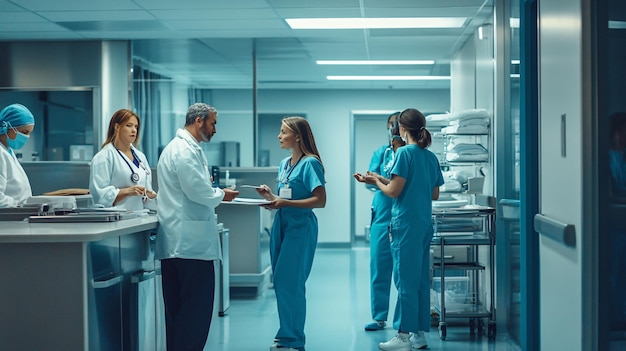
x=210, y=43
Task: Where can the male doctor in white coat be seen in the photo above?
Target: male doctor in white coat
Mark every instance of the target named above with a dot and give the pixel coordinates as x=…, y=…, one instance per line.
x=187, y=241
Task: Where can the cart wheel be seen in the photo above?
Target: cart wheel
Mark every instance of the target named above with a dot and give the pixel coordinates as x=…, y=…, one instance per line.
x=481, y=326
x=472, y=326
x=442, y=332
x=491, y=331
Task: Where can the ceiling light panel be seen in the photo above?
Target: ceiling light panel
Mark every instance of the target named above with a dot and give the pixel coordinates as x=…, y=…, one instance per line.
x=375, y=62
x=388, y=78
x=366, y=23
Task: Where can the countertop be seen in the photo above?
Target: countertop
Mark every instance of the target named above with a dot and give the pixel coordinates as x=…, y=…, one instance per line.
x=24, y=232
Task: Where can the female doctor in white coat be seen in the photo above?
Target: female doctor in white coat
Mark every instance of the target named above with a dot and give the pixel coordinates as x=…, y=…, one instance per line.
x=16, y=124
x=120, y=174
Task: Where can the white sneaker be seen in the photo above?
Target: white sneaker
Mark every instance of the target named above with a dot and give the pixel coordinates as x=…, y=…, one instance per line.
x=276, y=347
x=418, y=340
x=400, y=342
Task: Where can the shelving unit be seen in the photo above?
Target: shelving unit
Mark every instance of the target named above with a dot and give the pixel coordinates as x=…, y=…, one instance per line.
x=473, y=304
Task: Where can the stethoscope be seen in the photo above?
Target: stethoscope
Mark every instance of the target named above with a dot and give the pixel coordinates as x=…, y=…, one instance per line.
x=285, y=176
x=134, y=176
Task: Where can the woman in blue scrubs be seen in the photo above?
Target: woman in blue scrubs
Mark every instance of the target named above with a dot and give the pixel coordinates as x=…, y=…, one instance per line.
x=294, y=232
x=415, y=180
x=381, y=262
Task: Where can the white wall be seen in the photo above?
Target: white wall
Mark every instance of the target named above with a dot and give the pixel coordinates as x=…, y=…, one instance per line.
x=463, y=84
x=328, y=111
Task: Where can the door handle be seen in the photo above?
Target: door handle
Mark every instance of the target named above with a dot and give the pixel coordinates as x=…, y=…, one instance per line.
x=555, y=230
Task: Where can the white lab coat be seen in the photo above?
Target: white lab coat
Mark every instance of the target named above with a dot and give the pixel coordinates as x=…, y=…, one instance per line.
x=14, y=185
x=109, y=173
x=187, y=201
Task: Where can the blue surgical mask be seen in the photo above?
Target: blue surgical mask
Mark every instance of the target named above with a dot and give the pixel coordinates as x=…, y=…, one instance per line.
x=20, y=140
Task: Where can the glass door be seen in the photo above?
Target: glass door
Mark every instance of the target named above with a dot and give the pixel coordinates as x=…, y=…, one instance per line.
x=609, y=37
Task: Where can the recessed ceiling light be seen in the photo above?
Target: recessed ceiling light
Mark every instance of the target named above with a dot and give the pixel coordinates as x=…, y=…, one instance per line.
x=388, y=77
x=365, y=23
x=375, y=62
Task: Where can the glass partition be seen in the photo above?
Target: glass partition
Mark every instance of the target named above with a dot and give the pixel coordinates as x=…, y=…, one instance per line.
x=610, y=40
x=64, y=123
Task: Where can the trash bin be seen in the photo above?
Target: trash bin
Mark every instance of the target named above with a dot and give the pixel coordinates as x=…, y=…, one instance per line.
x=224, y=273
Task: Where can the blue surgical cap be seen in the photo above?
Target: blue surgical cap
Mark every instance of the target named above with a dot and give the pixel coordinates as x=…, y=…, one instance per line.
x=15, y=115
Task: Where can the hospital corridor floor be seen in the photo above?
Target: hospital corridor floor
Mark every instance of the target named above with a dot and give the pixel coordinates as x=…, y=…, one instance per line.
x=337, y=309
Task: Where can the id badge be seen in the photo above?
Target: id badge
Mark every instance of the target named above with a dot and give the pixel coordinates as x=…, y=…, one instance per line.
x=285, y=193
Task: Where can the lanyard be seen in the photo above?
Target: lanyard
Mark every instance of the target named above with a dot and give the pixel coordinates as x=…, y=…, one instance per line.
x=134, y=177
x=285, y=180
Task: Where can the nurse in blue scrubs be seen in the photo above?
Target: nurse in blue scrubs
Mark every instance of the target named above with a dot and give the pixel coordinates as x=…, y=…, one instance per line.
x=381, y=262
x=294, y=232
x=415, y=180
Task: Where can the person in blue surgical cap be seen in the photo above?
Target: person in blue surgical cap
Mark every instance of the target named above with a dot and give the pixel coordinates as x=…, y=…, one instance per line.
x=301, y=188
x=16, y=125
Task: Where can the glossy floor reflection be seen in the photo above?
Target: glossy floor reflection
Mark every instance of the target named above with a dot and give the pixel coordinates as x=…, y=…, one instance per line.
x=337, y=309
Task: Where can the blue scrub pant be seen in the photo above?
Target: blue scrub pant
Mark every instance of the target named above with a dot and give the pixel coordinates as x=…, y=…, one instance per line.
x=411, y=259
x=381, y=264
x=188, y=293
x=617, y=272
x=292, y=248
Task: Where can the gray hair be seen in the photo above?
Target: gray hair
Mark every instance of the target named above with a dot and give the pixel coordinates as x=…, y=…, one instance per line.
x=199, y=109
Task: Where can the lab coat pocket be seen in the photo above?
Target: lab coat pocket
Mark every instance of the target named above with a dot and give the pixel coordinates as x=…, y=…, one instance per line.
x=199, y=240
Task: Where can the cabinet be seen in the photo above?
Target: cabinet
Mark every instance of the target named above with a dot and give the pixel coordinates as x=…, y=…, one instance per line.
x=471, y=294
x=77, y=286
x=249, y=225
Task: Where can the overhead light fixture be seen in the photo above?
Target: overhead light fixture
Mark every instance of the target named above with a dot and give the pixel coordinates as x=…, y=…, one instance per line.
x=515, y=62
x=388, y=77
x=375, y=62
x=514, y=22
x=370, y=23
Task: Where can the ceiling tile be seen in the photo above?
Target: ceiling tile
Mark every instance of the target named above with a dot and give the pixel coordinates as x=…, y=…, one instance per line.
x=69, y=16
x=210, y=43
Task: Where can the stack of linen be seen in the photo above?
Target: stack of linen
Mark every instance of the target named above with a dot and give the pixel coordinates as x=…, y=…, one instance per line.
x=468, y=122
x=464, y=152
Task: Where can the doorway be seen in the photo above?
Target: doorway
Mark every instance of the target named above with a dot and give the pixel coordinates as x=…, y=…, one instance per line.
x=368, y=133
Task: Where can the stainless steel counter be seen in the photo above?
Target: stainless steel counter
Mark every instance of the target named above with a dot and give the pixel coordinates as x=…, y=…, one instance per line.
x=24, y=232
x=78, y=286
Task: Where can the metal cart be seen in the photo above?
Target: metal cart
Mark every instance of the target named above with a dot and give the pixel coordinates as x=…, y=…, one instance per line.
x=472, y=307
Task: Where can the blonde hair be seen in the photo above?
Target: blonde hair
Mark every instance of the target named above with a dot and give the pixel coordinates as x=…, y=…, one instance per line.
x=301, y=127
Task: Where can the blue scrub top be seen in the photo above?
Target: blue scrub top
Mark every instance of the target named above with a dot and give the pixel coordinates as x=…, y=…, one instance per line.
x=378, y=159
x=618, y=172
x=307, y=175
x=381, y=162
x=420, y=168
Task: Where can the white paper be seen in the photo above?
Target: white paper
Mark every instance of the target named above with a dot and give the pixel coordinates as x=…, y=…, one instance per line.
x=250, y=201
x=250, y=186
